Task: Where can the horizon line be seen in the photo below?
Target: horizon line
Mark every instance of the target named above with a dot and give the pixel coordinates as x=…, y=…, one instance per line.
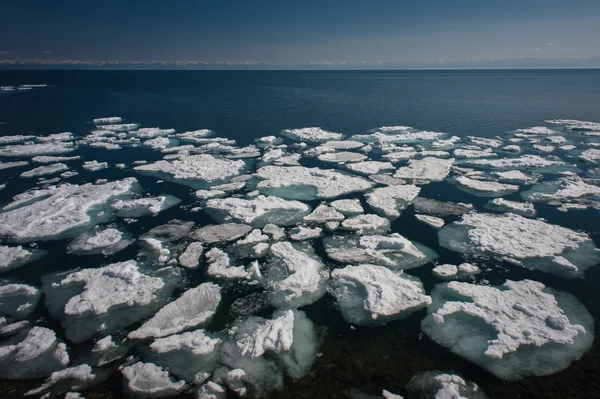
x=121, y=68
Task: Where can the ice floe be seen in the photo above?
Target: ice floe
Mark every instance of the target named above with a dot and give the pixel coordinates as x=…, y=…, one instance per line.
x=521, y=208
x=342, y=157
x=94, y=166
x=427, y=169
x=311, y=134
x=563, y=189
x=190, y=258
x=100, y=241
x=11, y=257
x=30, y=150
x=485, y=188
x=440, y=385
x=53, y=159
x=150, y=381
x=520, y=328
x=72, y=379
x=374, y=295
x=220, y=233
x=370, y=167
x=45, y=170
x=324, y=213
x=390, y=201
x=366, y=224
x=18, y=300
x=136, y=208
x=532, y=243
x=348, y=207
x=432, y=221
x=438, y=208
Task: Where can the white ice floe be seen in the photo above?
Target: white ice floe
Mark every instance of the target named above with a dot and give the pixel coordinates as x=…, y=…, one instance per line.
x=387, y=180
x=190, y=258
x=515, y=176
x=32, y=353
x=427, y=169
x=105, y=299
x=207, y=194
x=512, y=148
x=118, y=127
x=172, y=231
x=74, y=378
x=536, y=131
x=220, y=233
x=276, y=232
x=348, y=207
x=30, y=150
x=392, y=200
x=374, y=295
x=402, y=136
x=17, y=138
x=17, y=164
x=343, y=145
x=155, y=250
x=100, y=241
x=393, y=251
x=56, y=211
x=56, y=137
x=45, y=170
x=219, y=266
x=106, y=351
x=295, y=278
x=439, y=208
x=94, y=166
x=157, y=143
x=468, y=153
x=191, y=355
x=298, y=182
x=397, y=156
x=445, y=271
x=526, y=161
x=257, y=211
x=150, y=381
x=324, y=213
x=544, y=148
x=468, y=269
x=302, y=233
x=521, y=208
x=272, y=155
x=53, y=159
x=107, y=120
x=440, y=385
x=136, y=208
x=482, y=141
x=592, y=155
x=211, y=390
x=370, y=167
x=530, y=243
x=366, y=224
x=573, y=124
x=563, y=189
x=11, y=257
x=342, y=157
x=259, y=351
x=483, y=187
x=311, y=134
x=518, y=329
x=432, y=221
x=194, y=169
x=193, y=309
x=18, y=300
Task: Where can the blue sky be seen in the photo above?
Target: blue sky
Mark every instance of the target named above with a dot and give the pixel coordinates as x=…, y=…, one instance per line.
x=432, y=33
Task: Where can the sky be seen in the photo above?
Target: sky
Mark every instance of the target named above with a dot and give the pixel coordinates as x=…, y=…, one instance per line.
x=306, y=34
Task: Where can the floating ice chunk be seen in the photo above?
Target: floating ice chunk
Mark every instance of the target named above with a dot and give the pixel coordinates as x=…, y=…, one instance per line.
x=515, y=176
x=52, y=159
x=157, y=143
x=106, y=351
x=295, y=278
x=105, y=299
x=18, y=300
x=74, y=378
x=592, y=155
x=573, y=124
x=276, y=232
x=33, y=353
x=311, y=134
x=520, y=328
x=468, y=153
x=445, y=144
x=11, y=257
x=144, y=206
x=207, y=194
x=343, y=145
x=563, y=189
x=480, y=187
x=190, y=355
x=438, y=208
x=348, y=207
x=426, y=169
x=45, y=170
x=305, y=233
x=190, y=258
x=155, y=249
x=65, y=136
x=100, y=241
x=268, y=141
x=374, y=295
x=150, y=381
x=298, y=182
x=289, y=160
x=7, y=165
x=121, y=127
x=174, y=230
x=273, y=154
x=468, y=269
x=544, y=148
x=432, y=221
x=482, y=141
x=8, y=327
x=220, y=266
x=30, y=150
x=526, y=161
x=366, y=224
x=370, y=167
x=220, y=233
x=211, y=390
x=17, y=138
x=94, y=166
x=257, y=211
x=521, y=208
x=193, y=309
x=261, y=347
x=439, y=385
x=324, y=213
x=396, y=157
x=387, y=180
x=393, y=251
x=107, y=120
x=342, y=157
x=569, y=207
x=194, y=170
x=431, y=153
x=537, y=131
x=57, y=211
x=390, y=201
x=403, y=136
x=445, y=271
x=512, y=148
x=254, y=237
x=533, y=243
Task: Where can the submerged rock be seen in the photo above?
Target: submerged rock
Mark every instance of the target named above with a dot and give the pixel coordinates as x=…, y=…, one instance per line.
x=518, y=329
x=374, y=295
x=531, y=243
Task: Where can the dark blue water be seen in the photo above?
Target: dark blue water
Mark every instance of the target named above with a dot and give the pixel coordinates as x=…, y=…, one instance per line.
x=244, y=105
x=248, y=104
